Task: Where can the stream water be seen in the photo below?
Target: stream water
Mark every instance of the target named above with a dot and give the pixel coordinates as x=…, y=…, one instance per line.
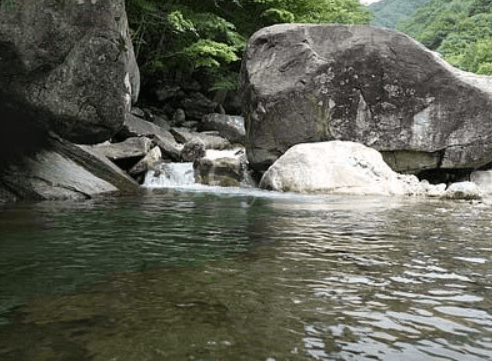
x=235, y=274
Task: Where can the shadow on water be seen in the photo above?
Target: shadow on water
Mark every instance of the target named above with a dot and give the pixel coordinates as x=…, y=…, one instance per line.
x=197, y=276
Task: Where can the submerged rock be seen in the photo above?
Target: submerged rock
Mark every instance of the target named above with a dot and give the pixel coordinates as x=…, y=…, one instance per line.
x=312, y=83
x=338, y=167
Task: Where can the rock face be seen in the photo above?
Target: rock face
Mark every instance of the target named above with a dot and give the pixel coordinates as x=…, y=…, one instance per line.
x=67, y=74
x=62, y=170
x=338, y=167
x=67, y=65
x=313, y=83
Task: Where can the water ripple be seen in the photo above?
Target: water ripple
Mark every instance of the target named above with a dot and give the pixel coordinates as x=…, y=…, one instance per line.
x=177, y=275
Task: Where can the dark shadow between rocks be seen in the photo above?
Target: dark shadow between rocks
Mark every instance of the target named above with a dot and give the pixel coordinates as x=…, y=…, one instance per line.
x=21, y=135
x=444, y=175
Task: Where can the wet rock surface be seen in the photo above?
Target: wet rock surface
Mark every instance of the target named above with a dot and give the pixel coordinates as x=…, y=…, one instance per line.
x=227, y=168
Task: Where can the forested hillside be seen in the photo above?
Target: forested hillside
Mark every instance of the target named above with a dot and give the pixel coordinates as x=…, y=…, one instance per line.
x=206, y=38
x=389, y=12
x=461, y=30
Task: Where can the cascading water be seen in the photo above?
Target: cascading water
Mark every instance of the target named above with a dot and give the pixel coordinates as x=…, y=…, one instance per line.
x=222, y=168
x=173, y=175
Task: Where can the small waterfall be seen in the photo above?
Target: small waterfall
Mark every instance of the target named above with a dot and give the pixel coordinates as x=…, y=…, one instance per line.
x=218, y=169
x=171, y=175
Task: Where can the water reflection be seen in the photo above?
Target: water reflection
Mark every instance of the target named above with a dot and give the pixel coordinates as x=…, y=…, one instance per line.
x=200, y=276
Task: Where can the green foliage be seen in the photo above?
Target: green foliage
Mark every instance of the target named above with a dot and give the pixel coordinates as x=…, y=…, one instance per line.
x=209, y=35
x=461, y=30
x=485, y=68
x=389, y=12
x=332, y=11
x=179, y=23
x=480, y=6
x=168, y=35
x=209, y=53
x=224, y=81
x=275, y=16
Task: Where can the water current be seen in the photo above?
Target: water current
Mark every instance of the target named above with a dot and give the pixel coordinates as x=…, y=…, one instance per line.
x=236, y=274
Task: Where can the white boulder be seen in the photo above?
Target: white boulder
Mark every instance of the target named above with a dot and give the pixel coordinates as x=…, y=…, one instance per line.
x=463, y=190
x=340, y=167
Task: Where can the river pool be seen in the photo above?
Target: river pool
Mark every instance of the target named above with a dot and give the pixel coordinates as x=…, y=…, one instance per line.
x=236, y=274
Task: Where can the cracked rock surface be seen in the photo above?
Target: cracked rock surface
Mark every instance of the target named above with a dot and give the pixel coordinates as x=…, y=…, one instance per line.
x=311, y=83
x=71, y=63
x=67, y=74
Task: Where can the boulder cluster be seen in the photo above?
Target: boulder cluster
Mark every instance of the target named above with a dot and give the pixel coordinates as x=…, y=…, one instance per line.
x=344, y=167
x=68, y=126
x=377, y=87
x=312, y=83
x=327, y=109
x=141, y=146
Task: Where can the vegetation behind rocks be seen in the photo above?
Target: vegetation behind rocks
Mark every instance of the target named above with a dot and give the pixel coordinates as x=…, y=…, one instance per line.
x=185, y=40
x=389, y=12
x=461, y=30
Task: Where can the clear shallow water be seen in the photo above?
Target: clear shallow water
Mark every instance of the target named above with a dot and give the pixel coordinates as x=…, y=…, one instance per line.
x=246, y=275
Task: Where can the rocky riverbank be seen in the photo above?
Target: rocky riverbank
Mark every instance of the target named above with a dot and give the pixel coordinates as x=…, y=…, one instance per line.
x=371, y=102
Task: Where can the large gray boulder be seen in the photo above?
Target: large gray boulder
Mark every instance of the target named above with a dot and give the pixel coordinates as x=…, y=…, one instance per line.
x=70, y=64
x=338, y=167
x=313, y=83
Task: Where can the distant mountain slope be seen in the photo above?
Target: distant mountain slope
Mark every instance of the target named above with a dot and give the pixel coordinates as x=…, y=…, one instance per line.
x=390, y=12
x=461, y=30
